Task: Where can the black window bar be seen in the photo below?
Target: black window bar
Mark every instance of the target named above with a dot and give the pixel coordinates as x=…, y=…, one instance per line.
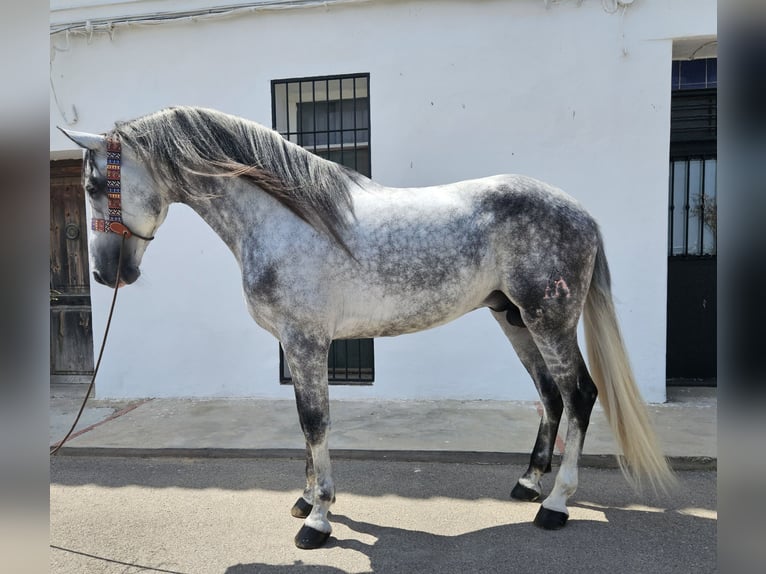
x=350, y=361
x=692, y=205
x=330, y=116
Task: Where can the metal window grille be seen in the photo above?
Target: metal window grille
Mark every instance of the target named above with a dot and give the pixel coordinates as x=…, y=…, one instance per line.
x=330, y=116
x=350, y=361
x=692, y=219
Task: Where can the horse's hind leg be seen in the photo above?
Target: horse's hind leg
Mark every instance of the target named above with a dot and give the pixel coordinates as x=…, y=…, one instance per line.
x=308, y=365
x=528, y=487
x=567, y=367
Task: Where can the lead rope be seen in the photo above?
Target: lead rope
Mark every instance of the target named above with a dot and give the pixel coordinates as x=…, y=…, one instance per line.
x=58, y=446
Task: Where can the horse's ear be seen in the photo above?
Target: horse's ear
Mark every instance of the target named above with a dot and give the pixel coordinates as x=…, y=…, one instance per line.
x=93, y=142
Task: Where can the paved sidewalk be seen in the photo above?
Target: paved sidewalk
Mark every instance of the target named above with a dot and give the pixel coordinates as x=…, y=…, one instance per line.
x=443, y=430
x=231, y=516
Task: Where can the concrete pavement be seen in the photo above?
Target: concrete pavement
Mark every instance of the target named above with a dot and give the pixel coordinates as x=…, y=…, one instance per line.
x=231, y=516
x=481, y=431
x=205, y=486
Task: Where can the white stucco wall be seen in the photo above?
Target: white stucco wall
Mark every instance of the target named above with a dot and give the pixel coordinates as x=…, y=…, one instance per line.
x=569, y=94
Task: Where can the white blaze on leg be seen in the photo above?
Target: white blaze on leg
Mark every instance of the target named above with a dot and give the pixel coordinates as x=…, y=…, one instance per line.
x=566, y=479
x=533, y=482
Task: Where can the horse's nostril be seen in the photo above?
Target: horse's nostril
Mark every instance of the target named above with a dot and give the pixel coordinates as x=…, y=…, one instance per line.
x=130, y=274
x=98, y=278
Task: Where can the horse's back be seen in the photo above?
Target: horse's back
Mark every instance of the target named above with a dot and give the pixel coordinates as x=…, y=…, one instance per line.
x=505, y=220
x=504, y=195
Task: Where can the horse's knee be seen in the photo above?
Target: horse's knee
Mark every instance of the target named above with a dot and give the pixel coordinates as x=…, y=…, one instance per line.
x=315, y=423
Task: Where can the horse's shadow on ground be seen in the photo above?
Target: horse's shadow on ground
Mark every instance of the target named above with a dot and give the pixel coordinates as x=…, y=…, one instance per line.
x=627, y=541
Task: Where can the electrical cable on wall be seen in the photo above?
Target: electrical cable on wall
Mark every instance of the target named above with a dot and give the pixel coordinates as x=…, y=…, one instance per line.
x=108, y=24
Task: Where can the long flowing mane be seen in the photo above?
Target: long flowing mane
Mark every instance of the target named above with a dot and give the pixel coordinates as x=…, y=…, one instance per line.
x=184, y=146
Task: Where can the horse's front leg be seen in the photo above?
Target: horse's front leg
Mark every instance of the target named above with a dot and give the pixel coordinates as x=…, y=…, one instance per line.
x=308, y=364
x=302, y=507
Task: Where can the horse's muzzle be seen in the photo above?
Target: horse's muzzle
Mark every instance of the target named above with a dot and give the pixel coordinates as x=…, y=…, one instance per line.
x=128, y=275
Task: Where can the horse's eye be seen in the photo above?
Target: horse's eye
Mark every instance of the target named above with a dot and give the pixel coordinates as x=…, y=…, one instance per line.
x=94, y=187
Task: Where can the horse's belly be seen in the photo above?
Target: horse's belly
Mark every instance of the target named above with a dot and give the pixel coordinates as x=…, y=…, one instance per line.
x=391, y=316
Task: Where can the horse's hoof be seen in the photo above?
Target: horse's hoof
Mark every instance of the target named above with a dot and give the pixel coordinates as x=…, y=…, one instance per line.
x=301, y=509
x=521, y=492
x=550, y=519
x=308, y=538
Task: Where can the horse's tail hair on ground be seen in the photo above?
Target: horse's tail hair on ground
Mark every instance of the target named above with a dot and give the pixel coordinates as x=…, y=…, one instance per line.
x=642, y=458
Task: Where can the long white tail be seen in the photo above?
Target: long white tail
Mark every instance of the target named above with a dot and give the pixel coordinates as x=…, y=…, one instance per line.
x=617, y=391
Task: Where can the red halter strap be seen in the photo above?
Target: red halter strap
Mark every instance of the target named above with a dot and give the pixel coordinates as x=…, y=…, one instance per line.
x=114, y=193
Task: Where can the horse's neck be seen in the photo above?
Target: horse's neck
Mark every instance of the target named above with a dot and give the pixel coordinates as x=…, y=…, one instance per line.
x=233, y=210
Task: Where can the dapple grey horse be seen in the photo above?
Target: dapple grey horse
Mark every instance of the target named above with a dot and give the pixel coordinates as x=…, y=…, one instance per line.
x=327, y=254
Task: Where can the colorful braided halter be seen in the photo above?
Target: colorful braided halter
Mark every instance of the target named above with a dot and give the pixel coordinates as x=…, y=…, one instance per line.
x=114, y=193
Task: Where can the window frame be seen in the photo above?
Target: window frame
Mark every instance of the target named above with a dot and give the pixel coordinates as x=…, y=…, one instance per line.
x=294, y=134
x=693, y=138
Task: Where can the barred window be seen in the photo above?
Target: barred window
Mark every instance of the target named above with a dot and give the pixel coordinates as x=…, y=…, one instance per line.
x=329, y=116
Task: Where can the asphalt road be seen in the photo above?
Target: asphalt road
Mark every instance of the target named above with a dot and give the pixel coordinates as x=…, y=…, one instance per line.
x=231, y=516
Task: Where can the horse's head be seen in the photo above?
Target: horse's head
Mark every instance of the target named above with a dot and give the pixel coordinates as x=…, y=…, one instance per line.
x=131, y=206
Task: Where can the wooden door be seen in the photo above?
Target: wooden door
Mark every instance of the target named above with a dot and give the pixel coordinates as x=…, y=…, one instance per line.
x=71, y=330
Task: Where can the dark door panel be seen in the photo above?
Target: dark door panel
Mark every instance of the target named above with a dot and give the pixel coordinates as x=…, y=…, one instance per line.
x=691, y=318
